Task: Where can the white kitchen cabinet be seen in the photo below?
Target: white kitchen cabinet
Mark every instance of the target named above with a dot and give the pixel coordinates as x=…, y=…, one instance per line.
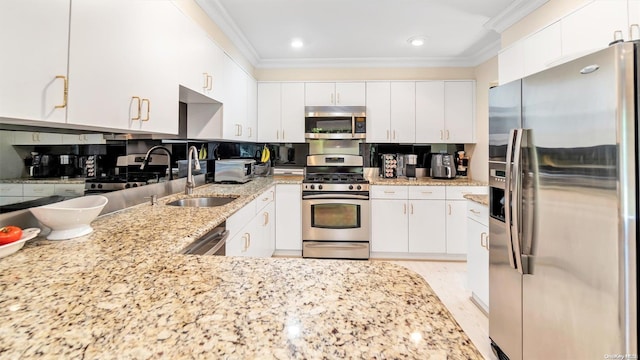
x=10, y=193
x=38, y=190
x=634, y=20
x=403, y=112
x=266, y=230
x=281, y=112
x=542, y=49
x=459, y=111
x=426, y=226
x=235, y=114
x=378, y=112
x=69, y=190
x=252, y=229
x=123, y=67
x=335, y=94
x=389, y=226
x=33, y=67
x=288, y=217
x=582, y=35
x=36, y=138
x=456, y=220
x=83, y=139
x=252, y=110
x=478, y=253
x=511, y=63
x=429, y=112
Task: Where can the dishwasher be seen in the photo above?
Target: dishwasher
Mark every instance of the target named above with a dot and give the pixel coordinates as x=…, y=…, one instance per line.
x=211, y=243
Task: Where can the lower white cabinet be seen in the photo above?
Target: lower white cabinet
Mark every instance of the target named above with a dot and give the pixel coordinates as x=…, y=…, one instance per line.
x=389, y=225
x=426, y=233
x=252, y=229
x=456, y=221
x=289, y=217
x=478, y=253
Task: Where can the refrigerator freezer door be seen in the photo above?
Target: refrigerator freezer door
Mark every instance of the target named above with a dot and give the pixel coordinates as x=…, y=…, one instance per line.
x=505, y=114
x=579, y=298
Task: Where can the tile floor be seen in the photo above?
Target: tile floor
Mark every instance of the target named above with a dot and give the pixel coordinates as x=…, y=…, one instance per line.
x=448, y=280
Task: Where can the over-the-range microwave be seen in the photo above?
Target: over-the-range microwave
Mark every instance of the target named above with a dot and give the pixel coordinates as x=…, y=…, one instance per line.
x=335, y=122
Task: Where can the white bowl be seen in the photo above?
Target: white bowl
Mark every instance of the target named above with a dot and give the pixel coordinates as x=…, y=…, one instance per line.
x=70, y=218
x=10, y=248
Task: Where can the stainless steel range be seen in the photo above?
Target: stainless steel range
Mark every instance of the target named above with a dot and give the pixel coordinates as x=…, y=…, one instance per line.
x=129, y=174
x=335, y=208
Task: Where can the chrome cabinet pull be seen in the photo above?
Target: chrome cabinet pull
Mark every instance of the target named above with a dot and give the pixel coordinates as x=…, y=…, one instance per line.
x=148, y=108
x=139, y=107
x=66, y=92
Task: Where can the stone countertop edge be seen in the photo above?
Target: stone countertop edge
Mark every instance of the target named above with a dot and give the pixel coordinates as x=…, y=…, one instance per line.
x=426, y=181
x=43, y=181
x=124, y=291
x=480, y=199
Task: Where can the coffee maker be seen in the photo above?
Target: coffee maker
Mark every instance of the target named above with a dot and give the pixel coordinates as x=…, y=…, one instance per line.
x=43, y=166
x=411, y=161
x=462, y=164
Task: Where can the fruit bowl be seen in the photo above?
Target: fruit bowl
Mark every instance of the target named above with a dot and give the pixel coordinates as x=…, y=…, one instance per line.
x=70, y=218
x=10, y=248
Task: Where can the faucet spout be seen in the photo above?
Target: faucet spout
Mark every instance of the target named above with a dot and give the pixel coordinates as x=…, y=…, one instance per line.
x=145, y=162
x=193, y=154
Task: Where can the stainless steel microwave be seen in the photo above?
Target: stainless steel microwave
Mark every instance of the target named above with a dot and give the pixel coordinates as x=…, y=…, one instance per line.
x=335, y=122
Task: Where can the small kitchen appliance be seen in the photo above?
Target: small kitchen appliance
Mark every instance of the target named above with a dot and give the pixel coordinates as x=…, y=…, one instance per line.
x=462, y=164
x=335, y=208
x=388, y=165
x=443, y=166
x=234, y=170
x=44, y=166
x=411, y=161
x=335, y=122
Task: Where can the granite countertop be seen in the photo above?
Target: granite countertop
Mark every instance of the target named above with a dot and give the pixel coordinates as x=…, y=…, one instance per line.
x=124, y=291
x=56, y=180
x=426, y=181
x=480, y=199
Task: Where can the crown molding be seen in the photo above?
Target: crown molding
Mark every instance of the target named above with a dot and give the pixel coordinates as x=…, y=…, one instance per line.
x=512, y=14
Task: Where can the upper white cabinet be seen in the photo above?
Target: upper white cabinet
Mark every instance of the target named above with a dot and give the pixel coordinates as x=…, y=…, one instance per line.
x=281, y=112
x=543, y=49
x=123, y=65
x=252, y=109
x=391, y=111
x=445, y=111
x=335, y=94
x=403, y=112
x=33, y=67
x=235, y=114
x=378, y=111
x=511, y=63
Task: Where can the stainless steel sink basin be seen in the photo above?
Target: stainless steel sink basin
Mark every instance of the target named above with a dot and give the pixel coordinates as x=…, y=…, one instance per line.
x=203, y=201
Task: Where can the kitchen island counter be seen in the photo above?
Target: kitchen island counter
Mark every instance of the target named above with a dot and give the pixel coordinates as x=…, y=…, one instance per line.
x=124, y=291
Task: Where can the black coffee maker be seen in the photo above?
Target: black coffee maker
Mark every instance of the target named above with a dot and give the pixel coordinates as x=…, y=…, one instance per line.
x=43, y=166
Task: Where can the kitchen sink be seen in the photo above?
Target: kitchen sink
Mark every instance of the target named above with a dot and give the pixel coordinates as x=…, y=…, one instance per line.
x=203, y=201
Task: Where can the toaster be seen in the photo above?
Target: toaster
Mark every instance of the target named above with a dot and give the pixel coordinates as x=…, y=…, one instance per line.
x=443, y=166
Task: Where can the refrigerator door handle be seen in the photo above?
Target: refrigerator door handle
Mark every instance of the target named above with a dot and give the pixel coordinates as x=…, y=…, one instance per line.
x=516, y=231
x=507, y=197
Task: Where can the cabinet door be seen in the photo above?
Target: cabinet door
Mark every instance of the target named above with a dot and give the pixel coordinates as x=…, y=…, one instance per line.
x=252, y=110
x=269, y=112
x=237, y=246
x=403, y=112
x=430, y=111
x=34, y=40
x=478, y=261
x=389, y=226
x=379, y=112
x=511, y=63
x=582, y=35
x=542, y=49
x=350, y=94
x=288, y=217
x=37, y=138
x=456, y=226
x=265, y=231
x=634, y=19
x=234, y=118
x=319, y=94
x=459, y=111
x=122, y=64
x=427, y=230
x=292, y=121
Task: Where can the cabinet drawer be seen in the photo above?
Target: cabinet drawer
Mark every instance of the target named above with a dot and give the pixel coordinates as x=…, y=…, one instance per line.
x=427, y=192
x=10, y=189
x=458, y=192
x=237, y=221
x=389, y=192
x=478, y=212
x=69, y=189
x=38, y=189
x=265, y=198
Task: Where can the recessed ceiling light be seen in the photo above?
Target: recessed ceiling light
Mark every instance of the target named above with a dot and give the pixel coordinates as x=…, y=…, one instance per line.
x=417, y=41
x=296, y=43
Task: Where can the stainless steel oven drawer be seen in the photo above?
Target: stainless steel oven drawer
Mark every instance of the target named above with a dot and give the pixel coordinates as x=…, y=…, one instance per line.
x=335, y=249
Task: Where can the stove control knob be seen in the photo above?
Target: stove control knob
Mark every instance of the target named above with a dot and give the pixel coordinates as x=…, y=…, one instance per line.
x=350, y=187
x=135, y=185
x=93, y=186
x=312, y=187
x=126, y=186
x=319, y=187
x=359, y=187
x=99, y=186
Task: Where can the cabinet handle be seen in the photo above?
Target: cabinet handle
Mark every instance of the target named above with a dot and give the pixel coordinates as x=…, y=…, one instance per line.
x=387, y=134
x=34, y=137
x=404, y=208
x=634, y=35
x=389, y=192
x=449, y=209
x=475, y=212
x=282, y=134
x=277, y=134
x=148, y=109
x=139, y=106
x=441, y=135
x=206, y=81
x=66, y=92
x=250, y=132
x=332, y=99
x=210, y=82
x=427, y=192
x=447, y=134
x=394, y=134
x=266, y=218
x=487, y=242
x=483, y=240
x=249, y=239
x=411, y=206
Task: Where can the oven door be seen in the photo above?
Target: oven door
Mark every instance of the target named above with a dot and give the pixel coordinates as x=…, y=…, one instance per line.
x=335, y=217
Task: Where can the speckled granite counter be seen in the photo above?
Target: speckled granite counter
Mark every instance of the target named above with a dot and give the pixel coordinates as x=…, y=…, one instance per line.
x=124, y=292
x=426, y=181
x=480, y=199
x=56, y=180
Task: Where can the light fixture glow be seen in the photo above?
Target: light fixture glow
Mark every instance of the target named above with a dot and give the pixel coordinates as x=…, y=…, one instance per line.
x=297, y=43
x=416, y=41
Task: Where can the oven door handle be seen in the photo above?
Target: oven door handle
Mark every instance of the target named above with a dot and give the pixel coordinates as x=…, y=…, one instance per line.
x=335, y=196
x=334, y=246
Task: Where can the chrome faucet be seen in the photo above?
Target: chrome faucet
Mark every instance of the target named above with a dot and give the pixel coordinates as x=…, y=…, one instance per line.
x=188, y=189
x=145, y=162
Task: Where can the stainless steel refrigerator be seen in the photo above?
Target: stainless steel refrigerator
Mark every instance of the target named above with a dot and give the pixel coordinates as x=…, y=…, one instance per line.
x=563, y=177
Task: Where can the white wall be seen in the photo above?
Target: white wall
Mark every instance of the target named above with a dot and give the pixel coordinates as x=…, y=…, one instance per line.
x=11, y=164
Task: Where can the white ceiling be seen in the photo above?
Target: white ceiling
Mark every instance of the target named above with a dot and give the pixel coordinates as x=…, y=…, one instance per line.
x=366, y=32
